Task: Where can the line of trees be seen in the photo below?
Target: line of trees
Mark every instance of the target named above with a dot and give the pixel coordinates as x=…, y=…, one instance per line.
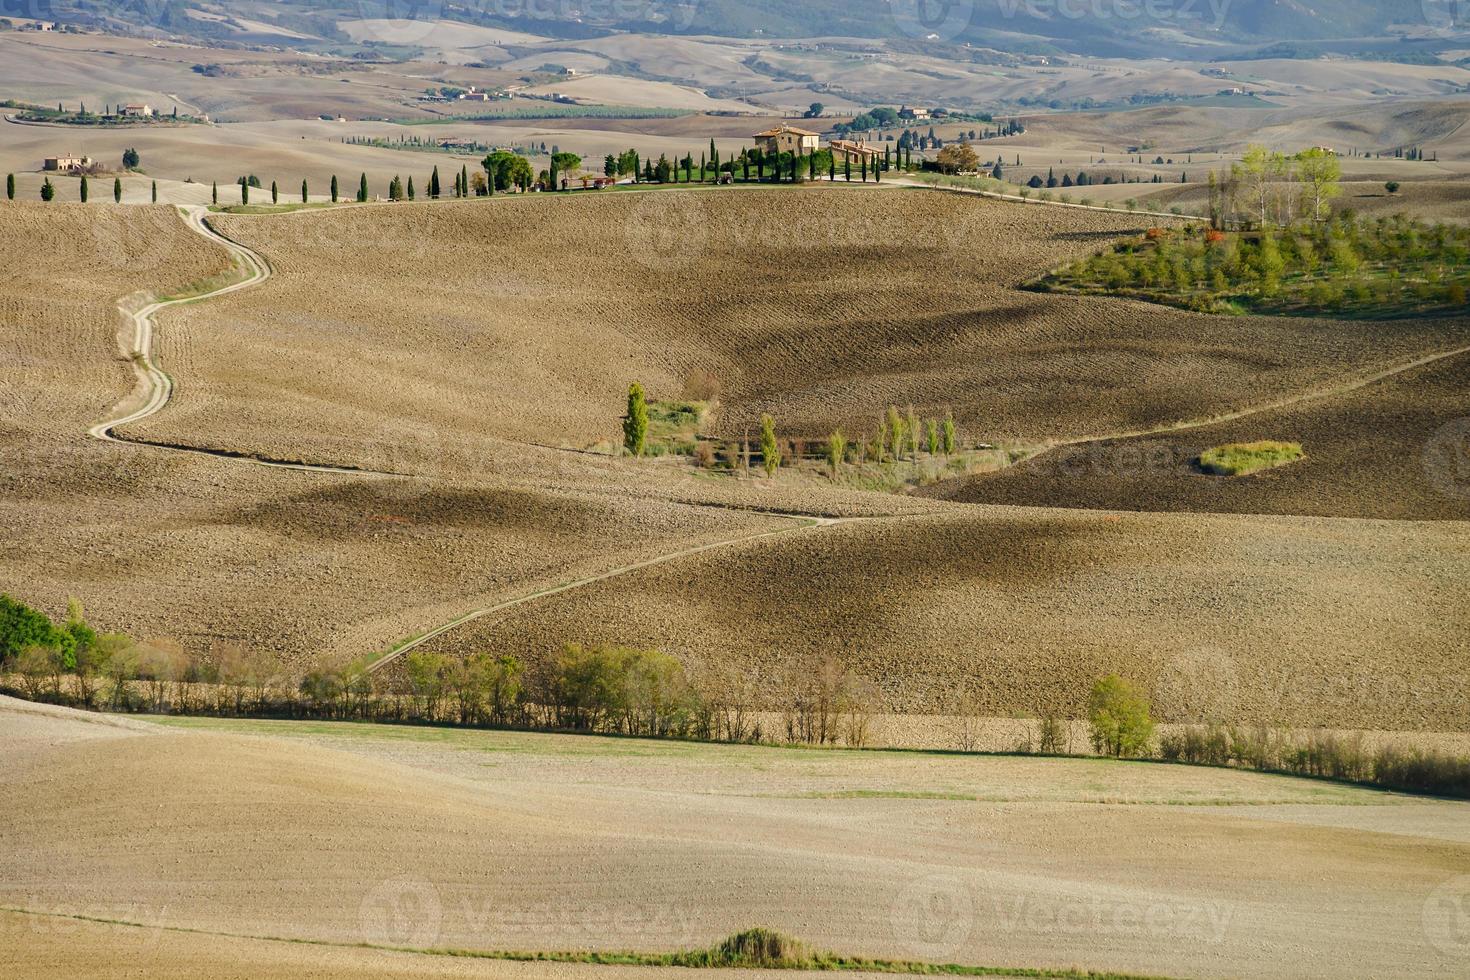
x=1269, y=189
x=627, y=691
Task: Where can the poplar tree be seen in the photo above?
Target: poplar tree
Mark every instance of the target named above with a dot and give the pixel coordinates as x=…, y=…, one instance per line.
x=948, y=432
x=895, y=429
x=836, y=450
x=933, y=437
x=915, y=432
x=635, y=423
x=770, y=451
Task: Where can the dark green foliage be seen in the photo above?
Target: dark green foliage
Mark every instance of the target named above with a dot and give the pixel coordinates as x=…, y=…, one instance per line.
x=362, y=190
x=130, y=159
x=48, y=190
x=635, y=423
x=10, y=187
x=303, y=192
x=155, y=192
x=117, y=190
x=22, y=627
x=275, y=193
x=84, y=189
x=334, y=188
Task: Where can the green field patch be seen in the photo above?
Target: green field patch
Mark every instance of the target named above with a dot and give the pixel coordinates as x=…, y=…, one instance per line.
x=1244, y=458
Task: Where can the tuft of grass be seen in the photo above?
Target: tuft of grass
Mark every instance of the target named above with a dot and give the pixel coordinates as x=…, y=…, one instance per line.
x=1243, y=458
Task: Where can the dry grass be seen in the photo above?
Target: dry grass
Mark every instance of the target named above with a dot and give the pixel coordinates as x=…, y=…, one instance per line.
x=570, y=843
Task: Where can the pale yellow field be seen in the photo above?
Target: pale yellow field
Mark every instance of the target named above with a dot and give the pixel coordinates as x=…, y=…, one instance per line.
x=402, y=837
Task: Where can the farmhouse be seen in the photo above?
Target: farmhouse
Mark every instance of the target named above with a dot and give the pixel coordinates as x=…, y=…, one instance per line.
x=913, y=112
x=788, y=139
x=855, y=151
x=141, y=109
x=68, y=164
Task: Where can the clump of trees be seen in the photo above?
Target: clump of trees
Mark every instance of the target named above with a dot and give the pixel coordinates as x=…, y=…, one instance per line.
x=1389, y=266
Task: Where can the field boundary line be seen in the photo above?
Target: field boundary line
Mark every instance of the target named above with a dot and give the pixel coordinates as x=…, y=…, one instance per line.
x=157, y=388
x=1290, y=401
x=1018, y=199
x=805, y=522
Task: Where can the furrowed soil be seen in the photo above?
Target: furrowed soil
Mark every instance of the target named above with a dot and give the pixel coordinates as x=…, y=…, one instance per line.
x=1394, y=450
x=346, y=834
x=525, y=320
x=1017, y=611
x=474, y=345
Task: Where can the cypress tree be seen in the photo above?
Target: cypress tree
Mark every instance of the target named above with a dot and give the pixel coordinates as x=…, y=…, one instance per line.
x=770, y=451
x=410, y=187
x=117, y=190
x=303, y=190
x=811, y=166
x=84, y=188
x=434, y=184
x=275, y=194
x=464, y=180
x=334, y=188
x=214, y=192
x=847, y=167
x=635, y=423
x=555, y=185
x=48, y=190
x=10, y=187
x=832, y=168
x=864, y=164
x=155, y=192
x=244, y=192
x=362, y=190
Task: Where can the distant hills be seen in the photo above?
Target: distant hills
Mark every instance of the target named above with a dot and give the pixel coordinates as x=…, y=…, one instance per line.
x=1118, y=28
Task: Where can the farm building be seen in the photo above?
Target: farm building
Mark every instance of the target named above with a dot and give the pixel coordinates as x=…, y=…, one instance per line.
x=141, y=109
x=66, y=164
x=788, y=139
x=854, y=150
x=913, y=112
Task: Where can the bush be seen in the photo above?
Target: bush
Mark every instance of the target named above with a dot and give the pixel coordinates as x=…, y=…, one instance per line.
x=1119, y=718
x=22, y=627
